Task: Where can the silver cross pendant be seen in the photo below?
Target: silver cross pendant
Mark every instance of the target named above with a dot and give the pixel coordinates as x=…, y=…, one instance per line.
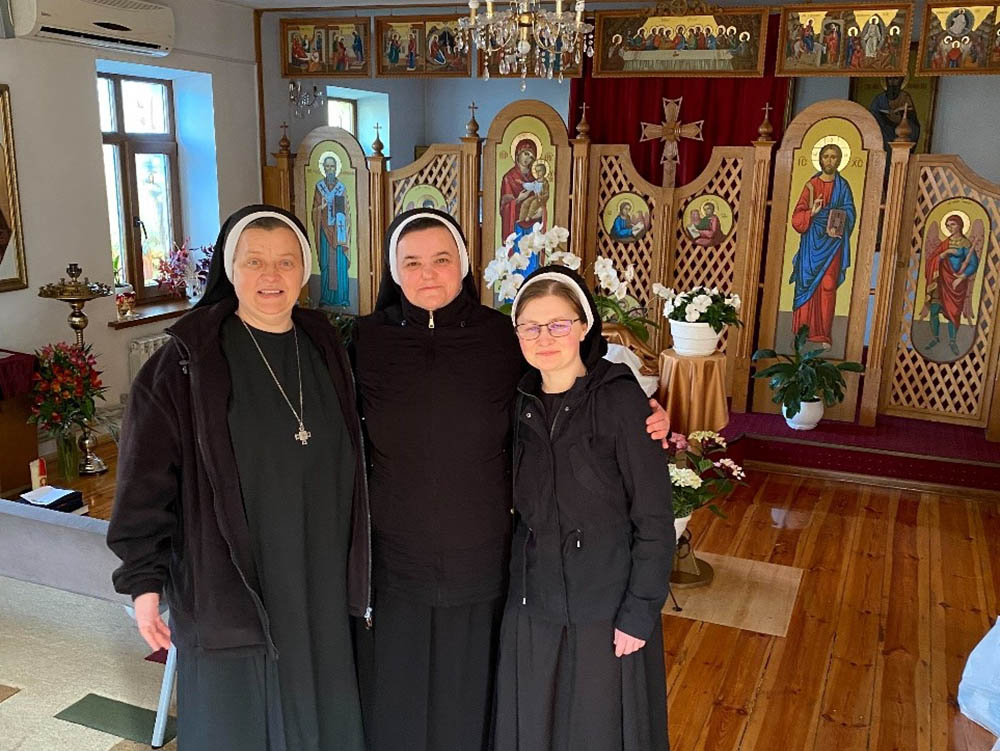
x=303, y=435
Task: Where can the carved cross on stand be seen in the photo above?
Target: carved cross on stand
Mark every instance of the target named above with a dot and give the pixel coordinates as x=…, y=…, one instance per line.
x=670, y=131
x=904, y=131
x=472, y=127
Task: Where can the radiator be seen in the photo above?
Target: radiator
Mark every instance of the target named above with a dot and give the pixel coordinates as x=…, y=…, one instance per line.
x=141, y=349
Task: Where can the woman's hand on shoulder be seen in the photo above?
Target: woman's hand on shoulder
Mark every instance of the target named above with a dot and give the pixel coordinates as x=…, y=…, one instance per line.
x=658, y=423
x=151, y=625
x=626, y=645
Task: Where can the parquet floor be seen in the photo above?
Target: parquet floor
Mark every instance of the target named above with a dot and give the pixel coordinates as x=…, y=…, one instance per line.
x=898, y=586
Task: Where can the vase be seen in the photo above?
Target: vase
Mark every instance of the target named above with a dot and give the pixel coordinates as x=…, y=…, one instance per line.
x=808, y=416
x=681, y=524
x=69, y=456
x=694, y=339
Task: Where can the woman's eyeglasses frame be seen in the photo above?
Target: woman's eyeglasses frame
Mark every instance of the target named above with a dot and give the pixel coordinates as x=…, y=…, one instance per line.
x=531, y=331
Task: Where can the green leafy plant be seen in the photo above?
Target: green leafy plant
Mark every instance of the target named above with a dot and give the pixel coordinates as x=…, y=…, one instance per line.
x=804, y=376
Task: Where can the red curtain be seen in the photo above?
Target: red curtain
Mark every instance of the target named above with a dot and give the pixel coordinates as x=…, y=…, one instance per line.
x=732, y=109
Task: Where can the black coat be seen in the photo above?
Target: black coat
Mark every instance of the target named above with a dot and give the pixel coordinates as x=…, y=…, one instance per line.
x=594, y=537
x=437, y=404
x=178, y=522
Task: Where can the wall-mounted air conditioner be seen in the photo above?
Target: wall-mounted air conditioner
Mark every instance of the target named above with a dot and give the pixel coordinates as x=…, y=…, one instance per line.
x=126, y=25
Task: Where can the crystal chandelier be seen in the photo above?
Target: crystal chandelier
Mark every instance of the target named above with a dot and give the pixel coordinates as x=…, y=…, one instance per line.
x=305, y=101
x=526, y=38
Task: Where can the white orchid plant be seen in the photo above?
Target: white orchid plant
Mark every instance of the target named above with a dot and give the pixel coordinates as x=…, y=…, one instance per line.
x=504, y=275
x=700, y=305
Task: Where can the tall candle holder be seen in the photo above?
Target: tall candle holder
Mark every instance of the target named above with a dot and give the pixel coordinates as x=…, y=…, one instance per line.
x=78, y=294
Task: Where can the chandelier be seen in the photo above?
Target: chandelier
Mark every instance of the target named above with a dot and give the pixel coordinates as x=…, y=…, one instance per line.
x=305, y=101
x=526, y=38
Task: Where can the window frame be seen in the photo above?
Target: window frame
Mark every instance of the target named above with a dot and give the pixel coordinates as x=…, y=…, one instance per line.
x=354, y=111
x=128, y=146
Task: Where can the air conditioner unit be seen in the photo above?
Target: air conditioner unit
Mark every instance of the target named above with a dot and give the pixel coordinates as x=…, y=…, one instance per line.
x=126, y=25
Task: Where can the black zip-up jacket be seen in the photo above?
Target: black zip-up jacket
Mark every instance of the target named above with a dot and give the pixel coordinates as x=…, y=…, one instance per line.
x=178, y=522
x=594, y=537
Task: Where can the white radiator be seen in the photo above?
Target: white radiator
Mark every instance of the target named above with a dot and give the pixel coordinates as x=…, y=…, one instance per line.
x=141, y=349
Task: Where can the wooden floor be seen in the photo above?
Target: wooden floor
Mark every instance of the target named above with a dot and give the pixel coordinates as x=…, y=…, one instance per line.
x=898, y=586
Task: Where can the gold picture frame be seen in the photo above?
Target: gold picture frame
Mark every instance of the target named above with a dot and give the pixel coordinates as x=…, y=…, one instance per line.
x=847, y=39
x=13, y=270
x=429, y=58
x=944, y=47
x=630, y=43
x=306, y=49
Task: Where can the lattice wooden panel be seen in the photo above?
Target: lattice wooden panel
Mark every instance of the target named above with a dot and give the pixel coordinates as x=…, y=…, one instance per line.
x=639, y=254
x=958, y=390
x=692, y=265
x=443, y=172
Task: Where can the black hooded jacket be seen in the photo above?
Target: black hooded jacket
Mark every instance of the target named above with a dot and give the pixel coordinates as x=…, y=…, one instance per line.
x=436, y=405
x=594, y=536
x=178, y=522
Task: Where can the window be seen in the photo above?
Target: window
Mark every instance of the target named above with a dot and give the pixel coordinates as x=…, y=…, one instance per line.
x=140, y=174
x=343, y=113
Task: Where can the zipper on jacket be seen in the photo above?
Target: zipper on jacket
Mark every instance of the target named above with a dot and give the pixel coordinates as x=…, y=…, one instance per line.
x=430, y=320
x=368, y=616
x=261, y=611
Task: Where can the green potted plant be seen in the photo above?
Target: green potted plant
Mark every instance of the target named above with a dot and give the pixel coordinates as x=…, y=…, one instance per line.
x=698, y=317
x=805, y=382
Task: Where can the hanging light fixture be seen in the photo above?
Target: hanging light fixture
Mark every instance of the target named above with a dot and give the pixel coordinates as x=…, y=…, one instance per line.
x=304, y=101
x=525, y=38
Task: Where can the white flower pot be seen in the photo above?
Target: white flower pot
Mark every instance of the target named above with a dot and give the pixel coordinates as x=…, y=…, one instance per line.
x=693, y=339
x=681, y=524
x=808, y=416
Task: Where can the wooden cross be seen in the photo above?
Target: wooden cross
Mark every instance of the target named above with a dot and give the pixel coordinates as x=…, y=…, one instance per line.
x=473, y=108
x=584, y=107
x=670, y=131
x=377, y=144
x=765, y=130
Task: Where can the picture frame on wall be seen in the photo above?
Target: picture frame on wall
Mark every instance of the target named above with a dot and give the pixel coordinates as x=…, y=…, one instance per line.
x=727, y=43
x=959, y=40
x=13, y=270
x=420, y=47
x=854, y=40
x=885, y=97
x=328, y=47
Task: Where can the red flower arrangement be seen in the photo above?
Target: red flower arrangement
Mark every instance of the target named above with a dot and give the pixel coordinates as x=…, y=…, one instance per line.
x=65, y=386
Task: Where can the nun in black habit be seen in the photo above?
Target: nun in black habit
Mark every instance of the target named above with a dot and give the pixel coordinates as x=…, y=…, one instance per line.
x=437, y=373
x=241, y=500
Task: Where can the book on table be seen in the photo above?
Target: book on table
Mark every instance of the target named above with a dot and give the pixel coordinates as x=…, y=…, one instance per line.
x=56, y=499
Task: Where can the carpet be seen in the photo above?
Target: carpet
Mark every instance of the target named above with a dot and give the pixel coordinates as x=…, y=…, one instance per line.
x=115, y=718
x=745, y=594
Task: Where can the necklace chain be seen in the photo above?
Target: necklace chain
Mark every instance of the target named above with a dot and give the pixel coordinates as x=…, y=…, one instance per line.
x=301, y=435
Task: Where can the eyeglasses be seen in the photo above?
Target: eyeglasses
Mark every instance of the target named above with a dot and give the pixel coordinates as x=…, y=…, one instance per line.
x=561, y=327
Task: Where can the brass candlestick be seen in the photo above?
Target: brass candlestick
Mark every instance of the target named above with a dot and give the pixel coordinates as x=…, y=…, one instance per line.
x=78, y=294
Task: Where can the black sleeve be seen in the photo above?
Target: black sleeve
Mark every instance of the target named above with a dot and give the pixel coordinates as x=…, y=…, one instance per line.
x=644, y=469
x=145, y=515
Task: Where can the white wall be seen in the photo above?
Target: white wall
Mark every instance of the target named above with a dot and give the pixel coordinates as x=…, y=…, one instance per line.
x=61, y=174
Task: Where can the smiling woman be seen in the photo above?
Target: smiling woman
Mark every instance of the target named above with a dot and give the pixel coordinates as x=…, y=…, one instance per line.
x=241, y=499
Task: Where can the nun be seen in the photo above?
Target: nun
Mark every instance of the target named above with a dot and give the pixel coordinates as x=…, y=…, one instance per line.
x=437, y=374
x=241, y=503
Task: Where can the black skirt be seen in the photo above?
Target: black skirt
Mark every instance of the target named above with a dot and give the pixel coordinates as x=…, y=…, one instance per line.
x=427, y=675
x=561, y=688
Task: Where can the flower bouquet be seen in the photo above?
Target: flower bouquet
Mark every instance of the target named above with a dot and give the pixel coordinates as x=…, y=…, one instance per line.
x=66, y=385
x=504, y=275
x=700, y=472
x=182, y=273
